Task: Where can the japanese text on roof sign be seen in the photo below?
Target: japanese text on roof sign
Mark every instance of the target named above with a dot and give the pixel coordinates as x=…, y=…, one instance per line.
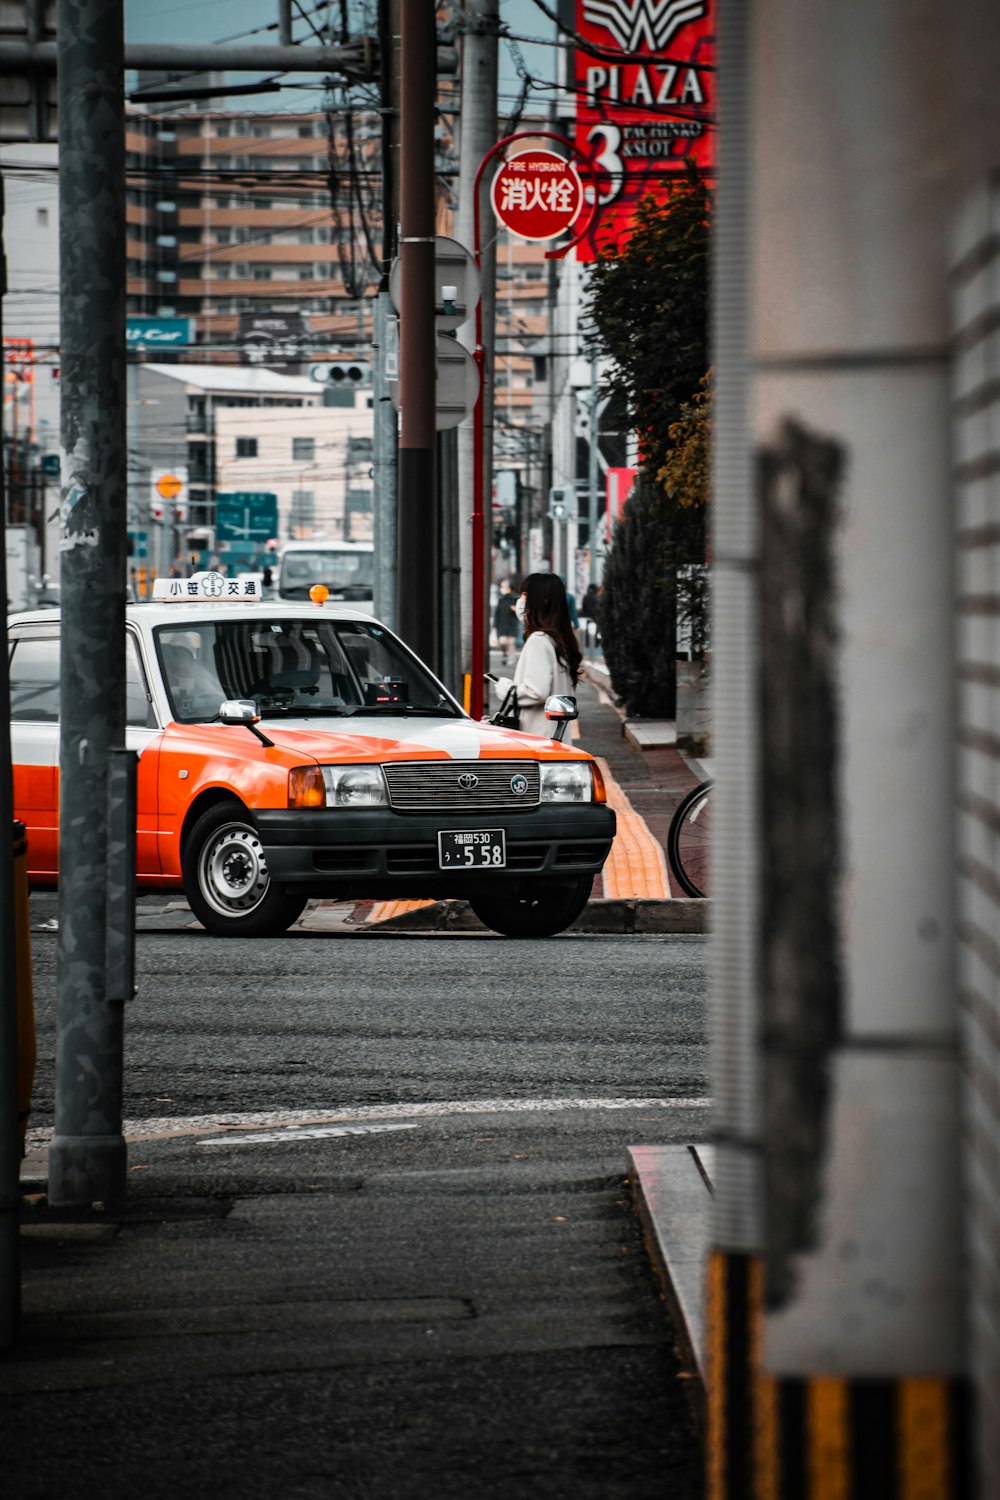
x=207, y=586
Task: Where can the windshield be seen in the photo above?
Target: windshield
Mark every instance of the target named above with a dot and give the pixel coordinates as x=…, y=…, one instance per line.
x=294, y=668
x=350, y=575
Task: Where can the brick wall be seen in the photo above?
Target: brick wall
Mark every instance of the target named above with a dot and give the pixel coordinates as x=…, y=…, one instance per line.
x=976, y=293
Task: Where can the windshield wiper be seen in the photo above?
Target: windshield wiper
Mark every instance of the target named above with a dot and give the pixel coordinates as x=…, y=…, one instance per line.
x=304, y=711
x=438, y=710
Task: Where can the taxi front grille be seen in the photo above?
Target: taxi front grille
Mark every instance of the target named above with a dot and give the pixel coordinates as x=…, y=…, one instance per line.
x=429, y=785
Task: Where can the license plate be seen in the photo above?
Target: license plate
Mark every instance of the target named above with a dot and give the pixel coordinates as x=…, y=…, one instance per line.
x=472, y=849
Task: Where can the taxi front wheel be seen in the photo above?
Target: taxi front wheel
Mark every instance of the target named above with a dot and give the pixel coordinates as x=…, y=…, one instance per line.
x=226, y=879
x=548, y=910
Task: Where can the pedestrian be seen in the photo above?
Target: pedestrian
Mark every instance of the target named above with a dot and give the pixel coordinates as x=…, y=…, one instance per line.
x=550, y=658
x=588, y=605
x=505, y=620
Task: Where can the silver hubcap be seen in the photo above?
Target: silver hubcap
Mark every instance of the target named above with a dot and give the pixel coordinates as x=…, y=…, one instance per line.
x=232, y=871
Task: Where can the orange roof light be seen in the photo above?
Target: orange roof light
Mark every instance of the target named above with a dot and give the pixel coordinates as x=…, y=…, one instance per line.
x=319, y=594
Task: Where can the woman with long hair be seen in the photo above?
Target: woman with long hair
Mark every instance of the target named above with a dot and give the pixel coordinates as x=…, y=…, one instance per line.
x=550, y=658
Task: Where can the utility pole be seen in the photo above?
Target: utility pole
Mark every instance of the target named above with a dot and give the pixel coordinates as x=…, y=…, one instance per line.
x=10, y=1195
x=386, y=433
x=87, y=1156
x=478, y=136
x=417, y=528
x=593, y=409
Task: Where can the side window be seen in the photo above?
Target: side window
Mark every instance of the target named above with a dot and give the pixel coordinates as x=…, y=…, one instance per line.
x=34, y=681
x=138, y=708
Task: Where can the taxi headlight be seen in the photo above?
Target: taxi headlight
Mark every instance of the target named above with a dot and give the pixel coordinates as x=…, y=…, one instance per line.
x=355, y=786
x=567, y=781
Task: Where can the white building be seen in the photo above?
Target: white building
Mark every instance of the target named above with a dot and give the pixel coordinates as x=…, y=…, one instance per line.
x=317, y=460
x=230, y=429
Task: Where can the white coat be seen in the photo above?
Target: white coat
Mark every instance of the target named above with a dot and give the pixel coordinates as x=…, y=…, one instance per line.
x=538, y=674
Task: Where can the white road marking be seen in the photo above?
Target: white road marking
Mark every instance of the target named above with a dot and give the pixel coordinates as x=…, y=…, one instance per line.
x=305, y=1133
x=148, y=1129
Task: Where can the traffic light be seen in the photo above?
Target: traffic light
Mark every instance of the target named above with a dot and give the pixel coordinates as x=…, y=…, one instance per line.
x=345, y=372
x=562, y=503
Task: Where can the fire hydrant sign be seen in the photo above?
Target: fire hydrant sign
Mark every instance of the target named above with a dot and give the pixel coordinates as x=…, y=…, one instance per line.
x=537, y=195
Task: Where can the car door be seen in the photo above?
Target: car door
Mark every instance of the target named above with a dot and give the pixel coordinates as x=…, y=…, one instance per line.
x=34, y=668
x=34, y=742
x=143, y=734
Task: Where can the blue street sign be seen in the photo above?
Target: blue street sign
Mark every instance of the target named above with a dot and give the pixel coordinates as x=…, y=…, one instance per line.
x=140, y=543
x=157, y=333
x=246, y=516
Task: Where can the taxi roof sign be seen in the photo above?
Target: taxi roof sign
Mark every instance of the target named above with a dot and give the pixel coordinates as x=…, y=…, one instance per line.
x=208, y=588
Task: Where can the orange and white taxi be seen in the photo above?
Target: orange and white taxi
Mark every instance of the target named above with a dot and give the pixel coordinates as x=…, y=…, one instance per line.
x=290, y=751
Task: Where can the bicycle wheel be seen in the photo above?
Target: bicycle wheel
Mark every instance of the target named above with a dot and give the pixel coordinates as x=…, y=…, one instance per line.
x=689, y=841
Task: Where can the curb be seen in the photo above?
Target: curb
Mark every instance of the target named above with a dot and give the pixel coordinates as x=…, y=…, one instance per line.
x=671, y=1186
x=602, y=916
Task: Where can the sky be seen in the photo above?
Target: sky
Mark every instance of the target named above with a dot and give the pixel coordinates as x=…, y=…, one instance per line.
x=189, y=22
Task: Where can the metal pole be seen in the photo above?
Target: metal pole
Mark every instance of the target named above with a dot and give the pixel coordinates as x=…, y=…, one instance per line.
x=10, y=1196
x=386, y=428
x=592, y=474
x=451, y=666
x=87, y=1156
x=479, y=136
x=417, y=530
x=158, y=58
x=386, y=473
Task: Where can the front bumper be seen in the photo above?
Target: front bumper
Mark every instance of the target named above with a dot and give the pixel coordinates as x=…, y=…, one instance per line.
x=381, y=853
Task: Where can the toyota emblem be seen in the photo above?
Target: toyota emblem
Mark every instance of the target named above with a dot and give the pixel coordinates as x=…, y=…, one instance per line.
x=468, y=780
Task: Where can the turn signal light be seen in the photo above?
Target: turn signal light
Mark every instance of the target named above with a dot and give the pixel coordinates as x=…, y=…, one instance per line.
x=306, y=787
x=600, y=790
x=319, y=593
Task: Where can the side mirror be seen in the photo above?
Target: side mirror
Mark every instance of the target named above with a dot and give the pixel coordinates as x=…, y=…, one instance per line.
x=239, y=711
x=561, y=708
x=243, y=711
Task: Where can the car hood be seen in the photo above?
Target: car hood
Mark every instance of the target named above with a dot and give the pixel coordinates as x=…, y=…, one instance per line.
x=383, y=738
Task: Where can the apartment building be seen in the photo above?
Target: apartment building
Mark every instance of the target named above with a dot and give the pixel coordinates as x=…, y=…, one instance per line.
x=232, y=214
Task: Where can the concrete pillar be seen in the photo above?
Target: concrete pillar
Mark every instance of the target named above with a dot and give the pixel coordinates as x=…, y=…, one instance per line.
x=868, y=127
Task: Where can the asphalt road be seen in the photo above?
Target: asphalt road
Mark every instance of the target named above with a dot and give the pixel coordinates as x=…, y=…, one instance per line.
x=305, y=1023
x=377, y=1242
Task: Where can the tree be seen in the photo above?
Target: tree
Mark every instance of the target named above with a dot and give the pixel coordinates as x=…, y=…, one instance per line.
x=649, y=307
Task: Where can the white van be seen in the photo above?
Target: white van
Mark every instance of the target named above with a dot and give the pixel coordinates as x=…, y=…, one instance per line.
x=347, y=569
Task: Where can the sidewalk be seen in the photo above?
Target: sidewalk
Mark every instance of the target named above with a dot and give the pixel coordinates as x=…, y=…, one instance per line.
x=308, y=1312
x=671, y=1184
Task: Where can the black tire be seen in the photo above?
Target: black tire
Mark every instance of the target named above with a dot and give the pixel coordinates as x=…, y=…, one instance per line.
x=226, y=880
x=551, y=908
x=689, y=841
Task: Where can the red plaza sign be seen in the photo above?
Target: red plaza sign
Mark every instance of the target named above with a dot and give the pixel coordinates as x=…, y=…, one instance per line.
x=537, y=195
x=645, y=103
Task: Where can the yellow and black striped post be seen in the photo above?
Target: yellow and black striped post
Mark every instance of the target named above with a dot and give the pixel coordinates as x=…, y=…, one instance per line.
x=772, y=1437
